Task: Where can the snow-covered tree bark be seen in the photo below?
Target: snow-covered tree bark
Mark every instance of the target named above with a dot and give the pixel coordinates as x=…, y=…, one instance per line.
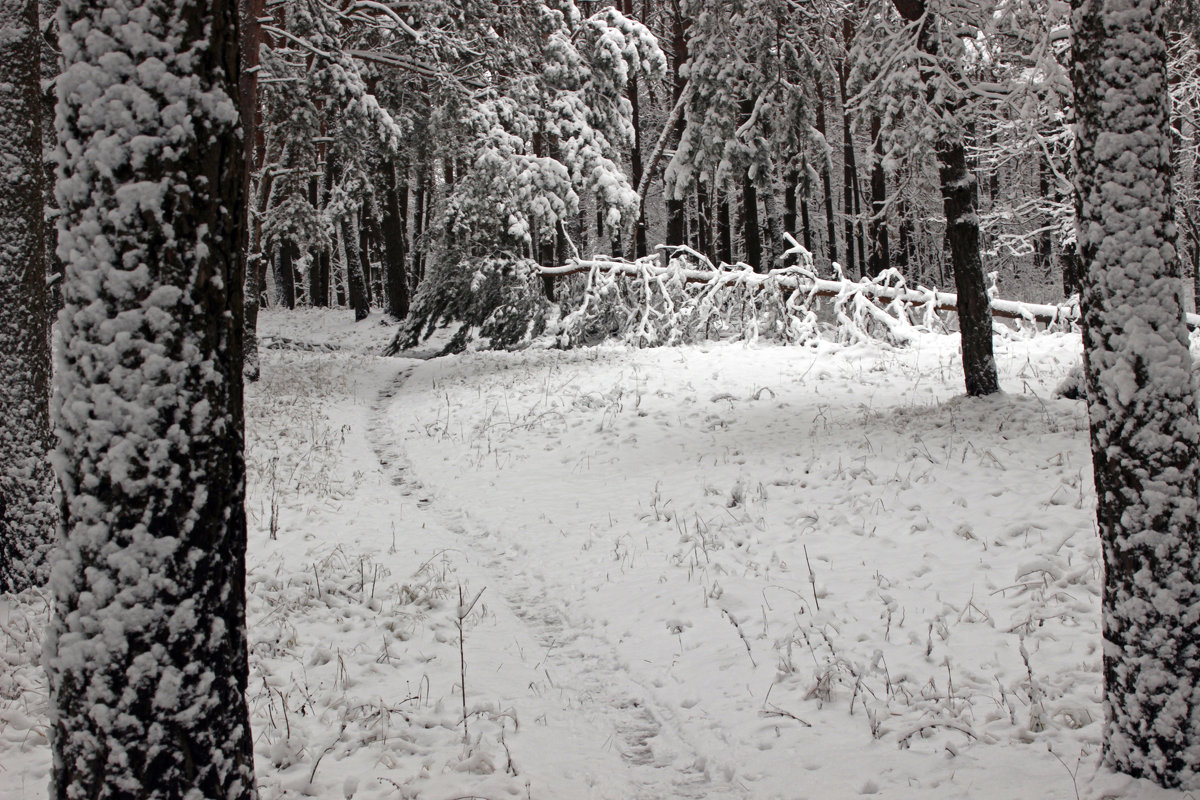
x=26, y=480
x=146, y=651
x=1144, y=429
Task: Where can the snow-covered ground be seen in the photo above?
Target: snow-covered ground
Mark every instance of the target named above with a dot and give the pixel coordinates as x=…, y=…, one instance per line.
x=724, y=571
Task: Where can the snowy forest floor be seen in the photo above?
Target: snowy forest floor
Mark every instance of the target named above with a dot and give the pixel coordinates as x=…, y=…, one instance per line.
x=720, y=571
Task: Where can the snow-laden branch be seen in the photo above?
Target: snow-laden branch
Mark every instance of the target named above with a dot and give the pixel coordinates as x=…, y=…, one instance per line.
x=690, y=298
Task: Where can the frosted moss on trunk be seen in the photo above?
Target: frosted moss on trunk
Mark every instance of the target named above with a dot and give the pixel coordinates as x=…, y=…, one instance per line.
x=1144, y=428
x=26, y=480
x=146, y=653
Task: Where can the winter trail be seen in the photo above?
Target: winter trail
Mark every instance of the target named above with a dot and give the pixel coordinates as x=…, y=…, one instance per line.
x=580, y=681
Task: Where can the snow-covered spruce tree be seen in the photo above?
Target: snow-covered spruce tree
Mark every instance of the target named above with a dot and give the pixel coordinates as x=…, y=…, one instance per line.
x=146, y=650
x=1144, y=430
x=26, y=480
x=548, y=126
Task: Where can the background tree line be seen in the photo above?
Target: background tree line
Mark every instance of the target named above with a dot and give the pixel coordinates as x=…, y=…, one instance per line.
x=398, y=144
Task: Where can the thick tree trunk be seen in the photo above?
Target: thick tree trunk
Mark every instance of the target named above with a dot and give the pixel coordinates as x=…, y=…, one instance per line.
x=146, y=651
x=27, y=515
x=1144, y=429
x=393, y=227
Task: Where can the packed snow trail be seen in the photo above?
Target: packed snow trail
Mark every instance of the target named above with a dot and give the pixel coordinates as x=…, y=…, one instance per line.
x=578, y=681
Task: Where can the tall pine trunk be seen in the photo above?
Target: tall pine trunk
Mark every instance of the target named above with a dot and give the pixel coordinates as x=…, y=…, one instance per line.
x=27, y=515
x=146, y=650
x=393, y=228
x=849, y=163
x=676, y=206
x=1144, y=431
x=356, y=279
x=880, y=252
x=635, y=154
x=827, y=183
x=256, y=268
x=724, y=229
x=285, y=273
x=960, y=202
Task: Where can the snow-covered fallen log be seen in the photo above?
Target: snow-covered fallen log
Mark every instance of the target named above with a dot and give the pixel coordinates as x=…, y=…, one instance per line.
x=688, y=266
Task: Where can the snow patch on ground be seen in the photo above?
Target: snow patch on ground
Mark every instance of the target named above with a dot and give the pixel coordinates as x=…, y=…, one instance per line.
x=713, y=571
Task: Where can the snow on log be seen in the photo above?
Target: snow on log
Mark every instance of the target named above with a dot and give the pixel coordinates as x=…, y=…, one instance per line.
x=806, y=281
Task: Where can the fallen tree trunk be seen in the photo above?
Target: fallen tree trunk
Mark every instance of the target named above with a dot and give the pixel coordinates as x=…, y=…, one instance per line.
x=822, y=287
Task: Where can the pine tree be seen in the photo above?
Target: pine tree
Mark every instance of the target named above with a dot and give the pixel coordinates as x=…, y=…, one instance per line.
x=26, y=480
x=1144, y=431
x=146, y=651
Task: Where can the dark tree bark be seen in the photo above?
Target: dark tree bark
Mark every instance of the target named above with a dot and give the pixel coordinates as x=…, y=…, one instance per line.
x=635, y=153
x=805, y=193
x=703, y=220
x=724, y=230
x=418, y=249
x=318, y=267
x=285, y=274
x=545, y=249
x=1043, y=255
x=676, y=207
x=791, y=181
x=545, y=243
x=146, y=650
x=960, y=201
x=364, y=256
x=356, y=280
x=1144, y=430
x=849, y=162
x=904, y=247
x=393, y=228
x=27, y=516
x=751, y=234
x=825, y=178
x=880, y=252
x=962, y=231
